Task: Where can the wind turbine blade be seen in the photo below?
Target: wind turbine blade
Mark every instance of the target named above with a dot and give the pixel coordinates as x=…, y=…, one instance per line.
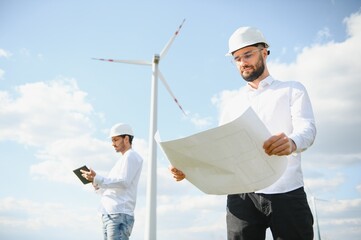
x=160, y=75
x=137, y=62
x=167, y=46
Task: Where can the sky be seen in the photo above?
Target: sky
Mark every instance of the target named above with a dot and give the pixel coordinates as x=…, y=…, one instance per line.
x=57, y=105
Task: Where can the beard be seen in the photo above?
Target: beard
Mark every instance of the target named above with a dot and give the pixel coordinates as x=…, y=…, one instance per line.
x=258, y=69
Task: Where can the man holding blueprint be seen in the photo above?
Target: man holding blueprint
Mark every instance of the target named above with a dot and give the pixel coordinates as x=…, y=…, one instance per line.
x=285, y=109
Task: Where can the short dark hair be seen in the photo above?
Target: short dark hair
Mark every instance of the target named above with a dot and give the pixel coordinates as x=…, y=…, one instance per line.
x=129, y=136
x=261, y=45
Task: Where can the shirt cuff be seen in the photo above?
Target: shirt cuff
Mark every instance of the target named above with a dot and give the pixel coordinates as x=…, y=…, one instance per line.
x=298, y=143
x=98, y=180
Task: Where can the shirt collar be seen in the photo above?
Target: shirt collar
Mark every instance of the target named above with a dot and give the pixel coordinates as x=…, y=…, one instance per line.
x=263, y=84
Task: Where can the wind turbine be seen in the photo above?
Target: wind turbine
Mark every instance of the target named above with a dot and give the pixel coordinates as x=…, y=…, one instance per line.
x=314, y=210
x=316, y=217
x=151, y=219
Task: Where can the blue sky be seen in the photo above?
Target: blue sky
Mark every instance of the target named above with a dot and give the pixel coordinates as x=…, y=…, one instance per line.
x=57, y=105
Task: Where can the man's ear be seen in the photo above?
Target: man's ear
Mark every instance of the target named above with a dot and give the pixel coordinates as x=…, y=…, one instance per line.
x=265, y=53
x=126, y=138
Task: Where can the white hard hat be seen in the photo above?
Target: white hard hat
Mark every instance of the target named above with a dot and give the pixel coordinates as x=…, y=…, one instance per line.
x=121, y=129
x=243, y=37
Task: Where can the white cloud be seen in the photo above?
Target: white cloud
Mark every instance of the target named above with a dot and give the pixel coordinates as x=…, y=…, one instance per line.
x=40, y=215
x=177, y=214
x=331, y=75
x=320, y=185
x=353, y=24
x=200, y=122
x=340, y=206
x=45, y=217
x=358, y=188
x=42, y=112
x=222, y=98
x=339, y=219
x=64, y=155
x=55, y=118
x=57, y=121
x=332, y=160
x=4, y=53
x=323, y=35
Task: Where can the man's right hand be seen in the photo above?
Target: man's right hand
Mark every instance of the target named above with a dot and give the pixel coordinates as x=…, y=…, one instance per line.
x=178, y=175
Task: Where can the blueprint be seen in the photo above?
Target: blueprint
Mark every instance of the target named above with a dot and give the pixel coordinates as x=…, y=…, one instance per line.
x=228, y=159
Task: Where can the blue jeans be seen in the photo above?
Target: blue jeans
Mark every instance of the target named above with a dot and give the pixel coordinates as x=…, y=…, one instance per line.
x=117, y=226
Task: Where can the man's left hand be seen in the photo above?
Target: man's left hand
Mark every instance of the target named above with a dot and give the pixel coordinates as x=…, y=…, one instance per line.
x=88, y=175
x=279, y=145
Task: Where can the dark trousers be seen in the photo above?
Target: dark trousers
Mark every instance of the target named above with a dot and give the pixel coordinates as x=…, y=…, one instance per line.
x=287, y=215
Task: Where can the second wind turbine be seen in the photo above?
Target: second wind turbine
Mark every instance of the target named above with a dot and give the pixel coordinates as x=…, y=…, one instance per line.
x=151, y=218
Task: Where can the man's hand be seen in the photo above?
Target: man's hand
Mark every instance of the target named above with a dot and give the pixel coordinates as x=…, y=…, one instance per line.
x=279, y=145
x=178, y=175
x=88, y=175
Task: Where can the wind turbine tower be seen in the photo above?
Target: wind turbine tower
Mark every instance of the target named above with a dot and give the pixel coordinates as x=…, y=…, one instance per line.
x=316, y=217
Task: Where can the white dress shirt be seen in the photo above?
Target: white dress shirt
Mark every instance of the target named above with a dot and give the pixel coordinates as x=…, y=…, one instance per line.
x=119, y=189
x=283, y=107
